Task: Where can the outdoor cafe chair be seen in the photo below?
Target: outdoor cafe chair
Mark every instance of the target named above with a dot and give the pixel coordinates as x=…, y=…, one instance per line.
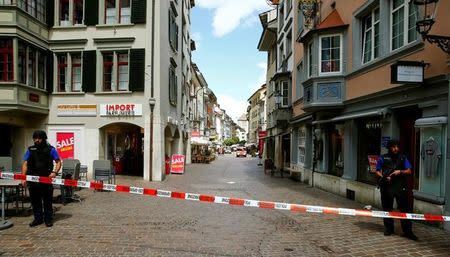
x=70, y=170
x=103, y=171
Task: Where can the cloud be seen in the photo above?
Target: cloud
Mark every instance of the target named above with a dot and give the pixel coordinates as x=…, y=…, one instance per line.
x=229, y=14
x=261, y=79
x=233, y=107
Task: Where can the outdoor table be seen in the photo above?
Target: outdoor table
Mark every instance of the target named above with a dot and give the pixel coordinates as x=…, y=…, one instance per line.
x=4, y=224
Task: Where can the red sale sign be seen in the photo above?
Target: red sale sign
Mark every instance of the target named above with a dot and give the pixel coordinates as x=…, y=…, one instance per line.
x=65, y=143
x=177, y=164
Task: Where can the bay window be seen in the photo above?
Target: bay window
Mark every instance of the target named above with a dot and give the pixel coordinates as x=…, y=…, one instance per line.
x=6, y=60
x=330, y=54
x=403, y=23
x=115, y=71
x=42, y=68
x=371, y=36
x=285, y=93
x=22, y=63
x=35, y=8
x=310, y=60
x=31, y=67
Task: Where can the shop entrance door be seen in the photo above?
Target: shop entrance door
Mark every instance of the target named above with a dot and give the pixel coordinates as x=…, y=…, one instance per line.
x=5, y=140
x=409, y=138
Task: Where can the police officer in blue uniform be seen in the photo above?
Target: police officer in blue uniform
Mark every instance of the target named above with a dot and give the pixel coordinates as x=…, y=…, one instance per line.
x=394, y=169
x=38, y=161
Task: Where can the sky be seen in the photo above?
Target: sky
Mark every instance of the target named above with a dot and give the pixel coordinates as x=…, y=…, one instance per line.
x=226, y=33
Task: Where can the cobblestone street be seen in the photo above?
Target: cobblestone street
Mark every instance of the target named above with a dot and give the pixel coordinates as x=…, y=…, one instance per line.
x=116, y=224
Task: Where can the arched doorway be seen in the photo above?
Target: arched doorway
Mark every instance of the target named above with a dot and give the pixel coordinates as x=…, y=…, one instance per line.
x=123, y=145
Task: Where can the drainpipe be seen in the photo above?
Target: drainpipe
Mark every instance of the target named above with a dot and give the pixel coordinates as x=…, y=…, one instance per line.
x=152, y=100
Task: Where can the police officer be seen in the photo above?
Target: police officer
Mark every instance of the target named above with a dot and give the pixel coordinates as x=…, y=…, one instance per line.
x=394, y=169
x=38, y=161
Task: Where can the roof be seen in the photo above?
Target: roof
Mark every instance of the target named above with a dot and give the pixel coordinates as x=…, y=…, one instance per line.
x=332, y=20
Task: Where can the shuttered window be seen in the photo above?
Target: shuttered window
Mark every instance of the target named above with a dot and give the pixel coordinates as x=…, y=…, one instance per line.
x=137, y=70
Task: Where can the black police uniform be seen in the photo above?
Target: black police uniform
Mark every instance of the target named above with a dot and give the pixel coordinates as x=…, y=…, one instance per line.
x=396, y=188
x=40, y=163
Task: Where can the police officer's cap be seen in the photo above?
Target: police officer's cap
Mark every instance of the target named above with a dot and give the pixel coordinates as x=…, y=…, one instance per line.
x=40, y=134
x=393, y=142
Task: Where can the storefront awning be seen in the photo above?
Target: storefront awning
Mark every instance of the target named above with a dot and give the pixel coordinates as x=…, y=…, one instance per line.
x=431, y=121
x=377, y=112
x=199, y=141
x=298, y=120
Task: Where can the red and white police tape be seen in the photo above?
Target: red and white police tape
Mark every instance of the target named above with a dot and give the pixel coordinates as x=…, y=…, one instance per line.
x=224, y=200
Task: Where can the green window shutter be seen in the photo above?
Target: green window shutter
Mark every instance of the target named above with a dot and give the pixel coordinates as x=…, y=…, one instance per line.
x=138, y=11
x=89, y=71
x=50, y=13
x=91, y=12
x=49, y=72
x=137, y=70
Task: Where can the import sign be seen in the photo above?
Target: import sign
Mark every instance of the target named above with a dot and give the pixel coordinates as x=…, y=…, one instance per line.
x=177, y=164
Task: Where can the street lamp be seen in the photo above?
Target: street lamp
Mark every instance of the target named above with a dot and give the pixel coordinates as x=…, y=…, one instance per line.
x=428, y=9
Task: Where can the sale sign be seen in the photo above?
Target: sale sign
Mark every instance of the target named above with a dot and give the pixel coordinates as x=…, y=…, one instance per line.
x=65, y=143
x=177, y=164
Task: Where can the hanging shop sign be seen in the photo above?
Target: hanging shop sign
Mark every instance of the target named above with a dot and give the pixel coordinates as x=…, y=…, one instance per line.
x=76, y=110
x=177, y=164
x=120, y=110
x=65, y=144
x=407, y=72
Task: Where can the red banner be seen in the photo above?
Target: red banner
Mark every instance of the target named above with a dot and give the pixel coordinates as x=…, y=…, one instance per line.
x=372, y=163
x=177, y=164
x=261, y=135
x=65, y=143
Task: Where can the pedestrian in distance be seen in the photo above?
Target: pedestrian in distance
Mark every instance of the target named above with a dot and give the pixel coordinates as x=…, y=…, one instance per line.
x=38, y=161
x=394, y=170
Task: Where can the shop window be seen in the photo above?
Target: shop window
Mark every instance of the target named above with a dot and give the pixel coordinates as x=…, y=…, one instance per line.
x=301, y=146
x=6, y=60
x=369, y=149
x=117, y=11
x=330, y=54
x=403, y=23
x=371, y=36
x=337, y=150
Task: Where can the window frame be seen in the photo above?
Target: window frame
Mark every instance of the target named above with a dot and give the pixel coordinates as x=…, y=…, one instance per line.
x=60, y=65
x=71, y=13
x=7, y=54
x=406, y=14
x=114, y=65
x=122, y=63
x=374, y=23
x=73, y=66
x=284, y=93
x=310, y=59
x=341, y=55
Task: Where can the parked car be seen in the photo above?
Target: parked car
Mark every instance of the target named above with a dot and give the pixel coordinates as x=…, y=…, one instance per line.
x=227, y=150
x=241, y=152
